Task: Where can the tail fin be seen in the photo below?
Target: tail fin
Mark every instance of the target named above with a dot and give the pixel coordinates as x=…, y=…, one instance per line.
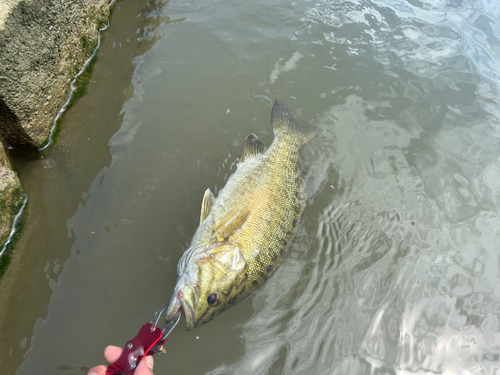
x=285, y=122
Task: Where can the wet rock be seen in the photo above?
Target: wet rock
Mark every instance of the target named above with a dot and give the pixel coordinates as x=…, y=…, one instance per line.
x=11, y=196
x=43, y=44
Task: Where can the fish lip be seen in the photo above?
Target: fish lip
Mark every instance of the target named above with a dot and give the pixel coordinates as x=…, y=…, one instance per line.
x=179, y=302
x=172, y=309
x=189, y=313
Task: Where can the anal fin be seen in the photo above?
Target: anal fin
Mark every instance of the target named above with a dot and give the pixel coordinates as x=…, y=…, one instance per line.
x=252, y=147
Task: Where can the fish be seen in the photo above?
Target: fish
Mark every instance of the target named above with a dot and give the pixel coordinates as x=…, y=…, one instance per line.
x=246, y=231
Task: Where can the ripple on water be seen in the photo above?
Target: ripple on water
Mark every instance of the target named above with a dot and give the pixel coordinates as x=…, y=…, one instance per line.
x=394, y=277
x=396, y=268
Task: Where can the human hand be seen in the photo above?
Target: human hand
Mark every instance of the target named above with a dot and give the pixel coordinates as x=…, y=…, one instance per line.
x=112, y=353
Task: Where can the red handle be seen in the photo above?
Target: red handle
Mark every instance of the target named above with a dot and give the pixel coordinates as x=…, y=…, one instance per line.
x=136, y=349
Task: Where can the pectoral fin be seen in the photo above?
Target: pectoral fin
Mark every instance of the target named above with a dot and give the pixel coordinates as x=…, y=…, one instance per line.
x=206, y=204
x=231, y=222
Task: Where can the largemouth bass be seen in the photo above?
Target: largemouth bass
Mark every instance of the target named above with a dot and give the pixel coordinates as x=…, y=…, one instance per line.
x=246, y=231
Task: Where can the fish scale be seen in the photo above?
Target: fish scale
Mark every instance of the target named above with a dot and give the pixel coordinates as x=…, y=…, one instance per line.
x=246, y=231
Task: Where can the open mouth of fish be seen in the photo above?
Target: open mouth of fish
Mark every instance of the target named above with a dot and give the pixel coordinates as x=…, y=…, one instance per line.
x=182, y=300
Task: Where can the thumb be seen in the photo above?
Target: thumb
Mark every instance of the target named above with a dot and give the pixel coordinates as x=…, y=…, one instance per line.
x=145, y=366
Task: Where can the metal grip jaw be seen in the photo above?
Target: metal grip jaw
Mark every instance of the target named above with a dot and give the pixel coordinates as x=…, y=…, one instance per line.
x=148, y=341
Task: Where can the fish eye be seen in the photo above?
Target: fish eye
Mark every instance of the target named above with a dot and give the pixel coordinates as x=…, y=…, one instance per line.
x=213, y=299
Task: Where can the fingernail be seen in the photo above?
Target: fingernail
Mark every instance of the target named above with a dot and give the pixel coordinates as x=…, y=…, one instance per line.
x=149, y=362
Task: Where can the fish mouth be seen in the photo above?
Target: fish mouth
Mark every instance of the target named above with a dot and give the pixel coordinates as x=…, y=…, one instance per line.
x=182, y=299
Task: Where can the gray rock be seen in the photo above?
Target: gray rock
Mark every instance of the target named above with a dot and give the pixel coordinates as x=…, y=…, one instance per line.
x=43, y=44
x=11, y=197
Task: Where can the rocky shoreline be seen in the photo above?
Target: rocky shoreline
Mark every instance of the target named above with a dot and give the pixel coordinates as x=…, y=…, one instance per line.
x=43, y=45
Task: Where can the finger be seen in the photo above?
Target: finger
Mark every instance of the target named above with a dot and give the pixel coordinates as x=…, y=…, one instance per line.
x=145, y=366
x=112, y=353
x=97, y=370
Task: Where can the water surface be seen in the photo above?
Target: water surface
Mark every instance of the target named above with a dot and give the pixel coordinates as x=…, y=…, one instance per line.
x=396, y=268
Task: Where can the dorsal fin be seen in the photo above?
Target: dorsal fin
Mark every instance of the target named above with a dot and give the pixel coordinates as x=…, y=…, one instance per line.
x=251, y=148
x=206, y=204
x=231, y=222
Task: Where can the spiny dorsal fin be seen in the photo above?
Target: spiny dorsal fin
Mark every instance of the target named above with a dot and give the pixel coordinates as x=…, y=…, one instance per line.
x=251, y=148
x=231, y=222
x=206, y=204
x=285, y=122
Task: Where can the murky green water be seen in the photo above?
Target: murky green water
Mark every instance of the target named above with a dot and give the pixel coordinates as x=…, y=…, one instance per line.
x=397, y=266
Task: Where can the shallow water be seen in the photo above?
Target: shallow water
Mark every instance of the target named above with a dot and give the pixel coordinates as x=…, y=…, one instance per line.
x=396, y=268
